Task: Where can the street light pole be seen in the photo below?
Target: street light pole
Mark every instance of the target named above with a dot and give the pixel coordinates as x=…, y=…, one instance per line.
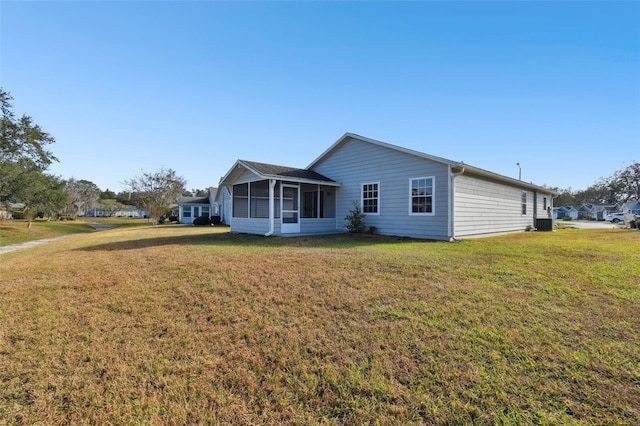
x=519, y=171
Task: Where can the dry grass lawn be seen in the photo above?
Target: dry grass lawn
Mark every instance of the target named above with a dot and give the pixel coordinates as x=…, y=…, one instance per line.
x=190, y=325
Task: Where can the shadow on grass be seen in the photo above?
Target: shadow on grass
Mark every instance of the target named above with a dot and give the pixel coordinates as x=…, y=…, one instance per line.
x=227, y=239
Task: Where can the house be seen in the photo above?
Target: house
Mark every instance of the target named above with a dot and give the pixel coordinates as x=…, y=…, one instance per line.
x=108, y=211
x=565, y=213
x=7, y=209
x=586, y=211
x=559, y=212
x=223, y=200
x=599, y=211
x=190, y=208
x=402, y=192
x=631, y=208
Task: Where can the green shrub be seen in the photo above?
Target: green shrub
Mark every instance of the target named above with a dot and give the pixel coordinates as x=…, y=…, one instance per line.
x=202, y=220
x=355, y=218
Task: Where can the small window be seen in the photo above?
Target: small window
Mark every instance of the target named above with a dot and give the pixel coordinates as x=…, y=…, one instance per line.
x=186, y=211
x=544, y=203
x=421, y=195
x=524, y=202
x=370, y=198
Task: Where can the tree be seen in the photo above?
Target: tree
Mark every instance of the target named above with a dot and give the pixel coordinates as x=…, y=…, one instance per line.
x=47, y=195
x=24, y=158
x=565, y=197
x=198, y=193
x=598, y=193
x=157, y=190
x=107, y=195
x=24, y=182
x=623, y=186
x=83, y=195
x=626, y=183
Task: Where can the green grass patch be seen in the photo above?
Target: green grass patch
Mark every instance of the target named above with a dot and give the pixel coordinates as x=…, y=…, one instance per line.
x=18, y=231
x=193, y=325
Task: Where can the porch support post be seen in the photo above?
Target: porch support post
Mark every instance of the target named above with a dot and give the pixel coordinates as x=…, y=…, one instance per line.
x=272, y=185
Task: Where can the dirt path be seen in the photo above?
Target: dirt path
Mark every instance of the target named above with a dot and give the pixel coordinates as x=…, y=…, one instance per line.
x=29, y=244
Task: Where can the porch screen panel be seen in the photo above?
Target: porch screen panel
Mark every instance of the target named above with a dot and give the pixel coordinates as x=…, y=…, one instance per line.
x=318, y=202
x=310, y=206
x=241, y=200
x=259, y=203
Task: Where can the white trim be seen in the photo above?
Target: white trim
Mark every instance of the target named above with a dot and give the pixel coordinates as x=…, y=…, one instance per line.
x=362, y=198
x=469, y=169
x=263, y=176
x=433, y=196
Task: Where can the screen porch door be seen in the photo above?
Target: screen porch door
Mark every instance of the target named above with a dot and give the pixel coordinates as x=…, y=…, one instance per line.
x=290, y=208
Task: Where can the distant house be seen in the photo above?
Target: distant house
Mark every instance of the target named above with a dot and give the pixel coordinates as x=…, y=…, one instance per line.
x=127, y=211
x=585, y=211
x=190, y=208
x=631, y=208
x=401, y=191
x=7, y=209
x=565, y=213
x=600, y=211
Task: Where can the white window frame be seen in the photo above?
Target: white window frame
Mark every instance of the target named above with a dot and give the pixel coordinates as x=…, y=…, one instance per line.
x=523, y=203
x=362, y=198
x=186, y=212
x=433, y=197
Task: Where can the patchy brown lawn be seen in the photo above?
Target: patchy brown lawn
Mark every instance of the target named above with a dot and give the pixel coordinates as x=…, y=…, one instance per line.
x=188, y=325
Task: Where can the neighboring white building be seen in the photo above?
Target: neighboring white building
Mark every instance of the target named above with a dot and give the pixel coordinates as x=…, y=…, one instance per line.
x=190, y=208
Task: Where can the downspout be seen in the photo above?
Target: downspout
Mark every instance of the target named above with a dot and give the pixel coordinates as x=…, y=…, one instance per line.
x=272, y=185
x=452, y=203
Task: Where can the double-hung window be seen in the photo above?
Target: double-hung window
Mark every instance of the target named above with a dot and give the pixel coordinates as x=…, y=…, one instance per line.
x=421, y=195
x=371, y=198
x=186, y=211
x=523, y=201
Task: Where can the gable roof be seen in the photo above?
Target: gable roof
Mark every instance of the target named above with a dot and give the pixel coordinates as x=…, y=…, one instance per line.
x=273, y=171
x=193, y=200
x=454, y=164
x=199, y=200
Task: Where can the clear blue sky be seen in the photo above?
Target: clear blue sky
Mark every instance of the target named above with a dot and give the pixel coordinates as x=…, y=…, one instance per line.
x=126, y=87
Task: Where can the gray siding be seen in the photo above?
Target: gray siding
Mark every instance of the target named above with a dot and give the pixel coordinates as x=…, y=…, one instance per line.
x=250, y=225
x=224, y=202
x=483, y=207
x=318, y=226
x=357, y=162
